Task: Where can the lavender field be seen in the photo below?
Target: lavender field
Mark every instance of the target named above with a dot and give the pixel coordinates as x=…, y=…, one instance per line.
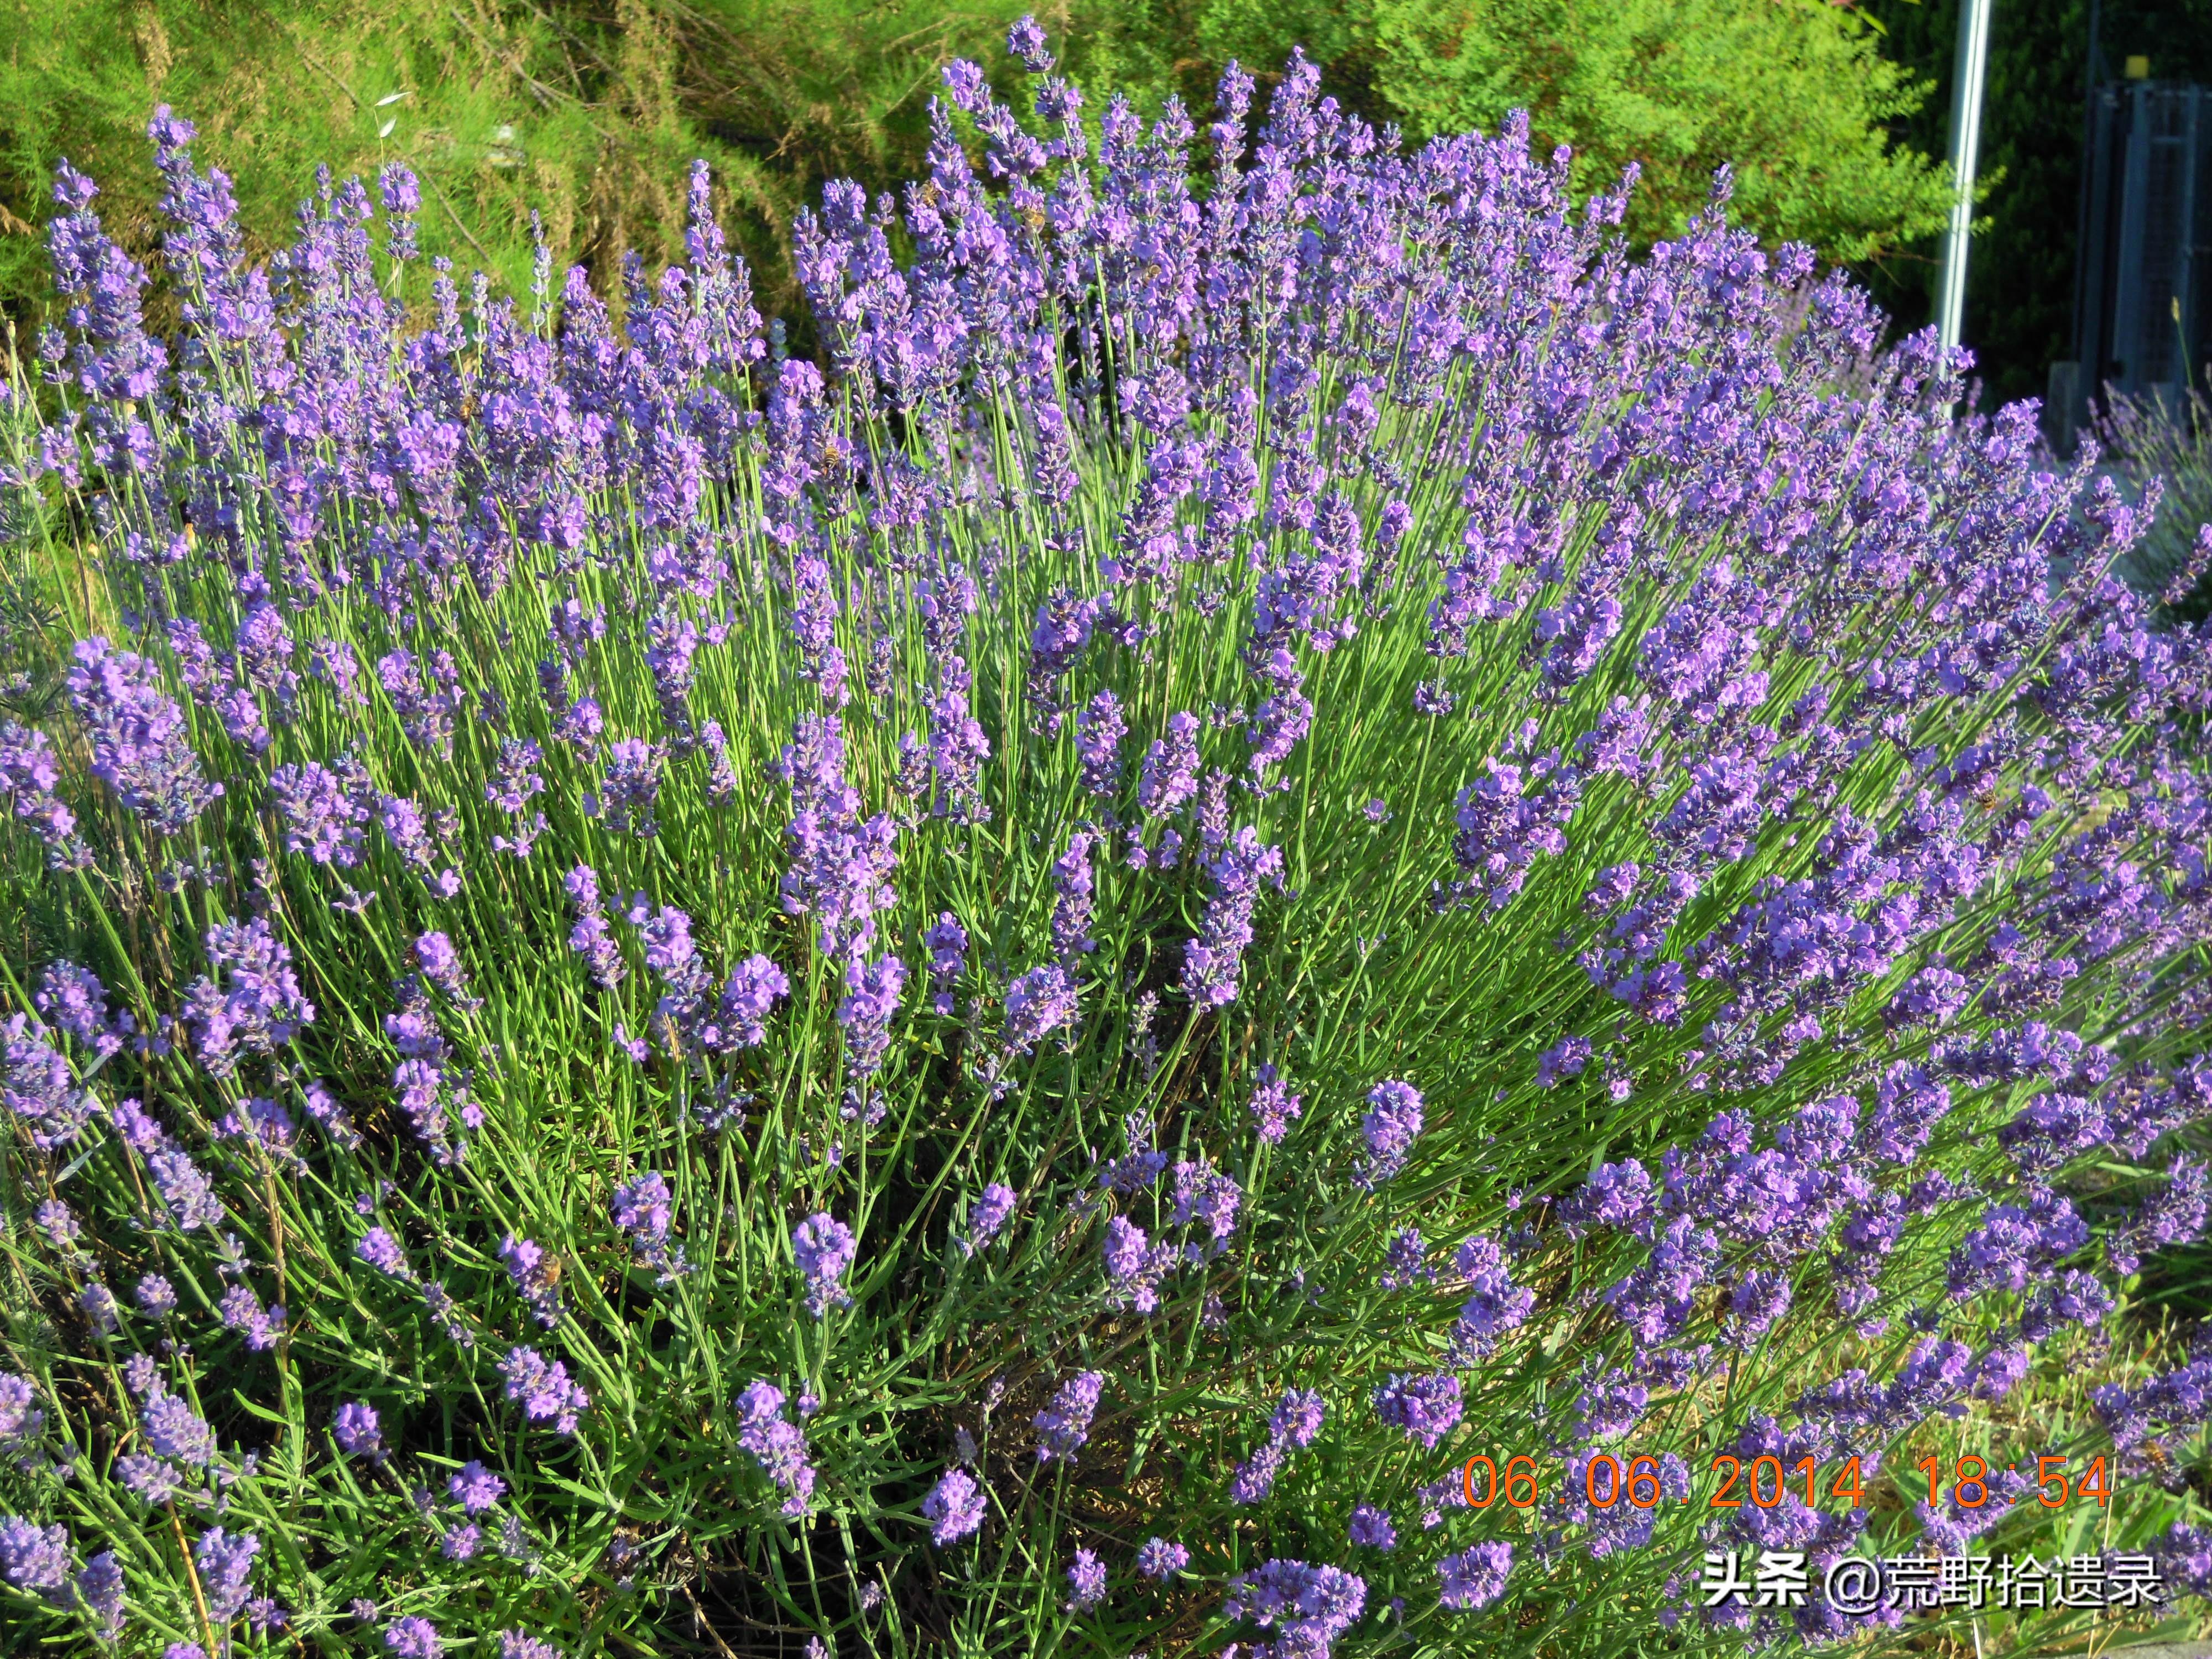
x=1296, y=827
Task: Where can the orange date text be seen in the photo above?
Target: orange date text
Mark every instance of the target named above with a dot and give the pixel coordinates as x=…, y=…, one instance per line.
x=1764, y=1482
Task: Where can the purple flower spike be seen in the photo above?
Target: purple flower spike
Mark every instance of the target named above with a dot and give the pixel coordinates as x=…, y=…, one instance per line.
x=1212, y=961
x=412, y=1638
x=754, y=988
x=475, y=1488
x=33, y=1558
x=1391, y=1124
x=1161, y=1560
x=1065, y=1424
x=824, y=1248
x=867, y=1012
x=141, y=746
x=1274, y=1105
x=1086, y=1581
x=1038, y=1003
x=777, y=1444
x=955, y=1508
x=1425, y=1408
x=543, y=1388
x=988, y=1215
x=1476, y=1577
x=1370, y=1528
x=358, y=1432
x=1310, y=1605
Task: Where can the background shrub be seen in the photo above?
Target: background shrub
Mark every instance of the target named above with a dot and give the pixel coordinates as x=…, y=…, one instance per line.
x=587, y=113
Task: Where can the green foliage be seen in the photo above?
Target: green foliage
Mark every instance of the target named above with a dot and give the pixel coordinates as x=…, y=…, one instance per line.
x=583, y=114
x=283, y=91
x=1793, y=94
x=583, y=111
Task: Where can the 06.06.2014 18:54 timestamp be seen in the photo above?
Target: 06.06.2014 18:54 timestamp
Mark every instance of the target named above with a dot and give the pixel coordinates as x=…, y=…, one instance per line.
x=1645, y=1482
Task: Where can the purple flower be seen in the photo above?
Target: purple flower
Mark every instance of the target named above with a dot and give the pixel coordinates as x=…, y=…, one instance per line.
x=957, y=749
x=184, y=1187
x=1025, y=44
x=947, y=943
x=543, y=1389
x=1204, y=1195
x=590, y=938
x=534, y=1277
x=986, y=1215
x=412, y=1638
x=515, y=781
x=1136, y=1265
x=1564, y=1058
x=28, y=775
x=643, y=1206
x=1086, y=1581
x=1507, y=820
x=1311, y=1605
x=955, y=1507
x=38, y=1087
x=1255, y=1477
x=475, y=1488
x=1370, y=1528
x=358, y=1432
x=1392, y=1123
x=1169, y=776
x=252, y=1004
x=1064, y=1426
x=841, y=865
x=1274, y=1105
x=382, y=1251
x=1099, y=733
x=226, y=1562
x=1160, y=1560
x=776, y=1443
x=824, y=1248
x=1072, y=907
x=631, y=788
x=1425, y=1408
x=1404, y=1261
x=1476, y=1577
x=749, y=995
x=97, y=1303
x=425, y=695
x=1298, y=1418
x=75, y=1001
x=100, y=1588
x=33, y=1558
x=865, y=1011
x=141, y=745
x=140, y=1375
x=441, y=966
x=19, y=1422
x=241, y=1310
x=323, y=815
x=1211, y=961
x=1038, y=1003
x=174, y=1431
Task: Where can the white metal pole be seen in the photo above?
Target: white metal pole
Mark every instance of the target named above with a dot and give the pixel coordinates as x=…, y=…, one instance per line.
x=1966, y=84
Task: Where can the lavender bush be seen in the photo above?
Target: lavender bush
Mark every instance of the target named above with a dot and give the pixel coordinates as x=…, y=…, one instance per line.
x=1298, y=823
